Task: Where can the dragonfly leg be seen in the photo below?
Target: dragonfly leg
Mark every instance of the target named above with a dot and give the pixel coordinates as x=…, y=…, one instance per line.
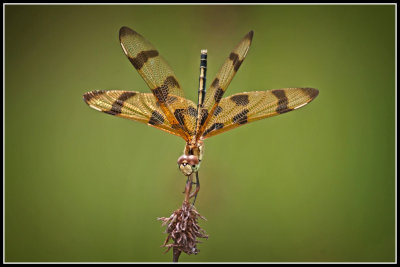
x=187, y=180
x=196, y=191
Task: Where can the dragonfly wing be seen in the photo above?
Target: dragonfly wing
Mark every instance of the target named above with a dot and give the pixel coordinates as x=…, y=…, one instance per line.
x=142, y=107
x=222, y=80
x=242, y=108
x=156, y=73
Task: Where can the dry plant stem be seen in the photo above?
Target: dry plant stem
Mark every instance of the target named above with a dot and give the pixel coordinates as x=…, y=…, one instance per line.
x=188, y=188
x=182, y=227
x=176, y=252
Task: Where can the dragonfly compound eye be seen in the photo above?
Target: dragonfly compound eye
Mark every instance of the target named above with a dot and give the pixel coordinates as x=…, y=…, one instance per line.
x=182, y=159
x=193, y=160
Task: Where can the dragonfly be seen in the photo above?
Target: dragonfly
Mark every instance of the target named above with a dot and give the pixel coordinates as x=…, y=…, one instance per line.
x=167, y=109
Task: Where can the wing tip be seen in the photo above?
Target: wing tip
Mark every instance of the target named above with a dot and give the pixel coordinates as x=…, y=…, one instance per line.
x=312, y=92
x=90, y=95
x=249, y=35
x=123, y=31
x=87, y=96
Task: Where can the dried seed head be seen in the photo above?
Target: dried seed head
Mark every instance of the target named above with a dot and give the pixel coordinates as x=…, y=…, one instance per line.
x=183, y=229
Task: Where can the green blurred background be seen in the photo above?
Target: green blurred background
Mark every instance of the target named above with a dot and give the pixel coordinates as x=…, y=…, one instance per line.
x=317, y=184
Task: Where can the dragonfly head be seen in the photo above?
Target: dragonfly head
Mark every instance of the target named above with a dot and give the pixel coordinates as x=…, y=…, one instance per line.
x=188, y=164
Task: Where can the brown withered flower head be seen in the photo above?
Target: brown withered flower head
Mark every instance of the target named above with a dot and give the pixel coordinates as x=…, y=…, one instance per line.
x=183, y=229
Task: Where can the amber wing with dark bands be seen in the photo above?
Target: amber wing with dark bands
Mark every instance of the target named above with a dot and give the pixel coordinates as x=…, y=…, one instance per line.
x=224, y=77
x=242, y=108
x=156, y=73
x=141, y=107
x=150, y=64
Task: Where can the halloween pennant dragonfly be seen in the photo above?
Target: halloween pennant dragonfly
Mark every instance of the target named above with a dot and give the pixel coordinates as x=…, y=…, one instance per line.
x=167, y=109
